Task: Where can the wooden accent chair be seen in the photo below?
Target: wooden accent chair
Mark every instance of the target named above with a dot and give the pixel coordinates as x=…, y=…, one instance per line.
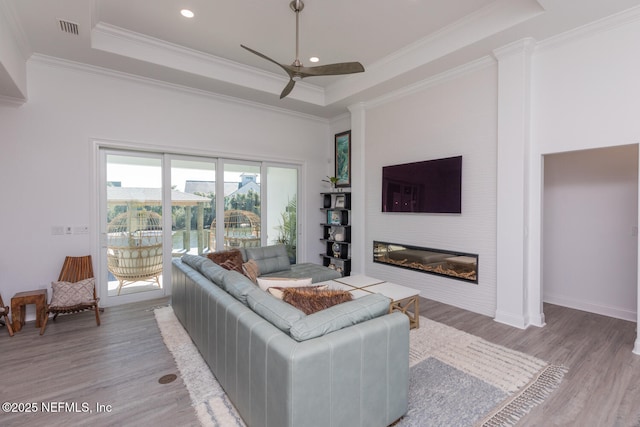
x=4, y=312
x=74, y=271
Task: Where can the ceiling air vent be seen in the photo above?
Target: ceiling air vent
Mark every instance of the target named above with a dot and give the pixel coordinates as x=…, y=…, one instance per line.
x=68, y=26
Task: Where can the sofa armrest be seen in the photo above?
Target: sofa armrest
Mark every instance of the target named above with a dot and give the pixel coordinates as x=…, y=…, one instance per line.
x=360, y=376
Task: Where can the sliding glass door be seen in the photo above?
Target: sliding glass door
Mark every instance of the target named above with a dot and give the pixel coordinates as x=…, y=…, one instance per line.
x=282, y=212
x=133, y=246
x=157, y=206
x=241, y=224
x=193, y=201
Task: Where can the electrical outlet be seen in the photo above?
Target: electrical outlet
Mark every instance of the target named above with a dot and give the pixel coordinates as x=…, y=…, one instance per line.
x=68, y=230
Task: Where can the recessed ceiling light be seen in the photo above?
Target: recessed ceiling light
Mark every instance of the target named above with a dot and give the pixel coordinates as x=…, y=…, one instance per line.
x=187, y=13
x=314, y=59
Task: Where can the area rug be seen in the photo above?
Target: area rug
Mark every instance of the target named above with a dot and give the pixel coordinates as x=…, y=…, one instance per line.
x=456, y=379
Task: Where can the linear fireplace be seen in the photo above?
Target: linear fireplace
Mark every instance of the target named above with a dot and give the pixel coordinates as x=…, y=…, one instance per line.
x=455, y=265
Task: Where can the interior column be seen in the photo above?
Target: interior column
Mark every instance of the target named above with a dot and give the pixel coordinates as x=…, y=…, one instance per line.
x=514, y=98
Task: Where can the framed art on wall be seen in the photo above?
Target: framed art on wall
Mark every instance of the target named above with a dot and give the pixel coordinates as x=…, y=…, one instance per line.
x=343, y=159
x=334, y=217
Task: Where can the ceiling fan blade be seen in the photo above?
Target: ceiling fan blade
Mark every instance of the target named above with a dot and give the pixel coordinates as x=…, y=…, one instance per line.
x=255, y=52
x=288, y=88
x=332, y=69
x=297, y=71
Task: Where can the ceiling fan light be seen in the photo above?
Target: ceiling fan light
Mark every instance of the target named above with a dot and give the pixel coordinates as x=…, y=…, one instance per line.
x=314, y=59
x=187, y=13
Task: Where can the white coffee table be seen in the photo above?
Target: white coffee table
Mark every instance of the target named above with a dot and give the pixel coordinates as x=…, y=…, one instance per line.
x=403, y=299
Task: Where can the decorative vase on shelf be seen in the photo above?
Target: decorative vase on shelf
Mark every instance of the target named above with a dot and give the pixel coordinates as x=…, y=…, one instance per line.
x=336, y=250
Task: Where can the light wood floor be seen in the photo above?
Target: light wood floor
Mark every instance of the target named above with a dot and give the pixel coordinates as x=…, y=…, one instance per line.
x=120, y=362
x=602, y=387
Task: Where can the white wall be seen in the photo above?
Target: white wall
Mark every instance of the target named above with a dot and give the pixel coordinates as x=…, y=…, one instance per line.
x=589, y=246
x=587, y=91
x=586, y=94
x=454, y=117
x=46, y=156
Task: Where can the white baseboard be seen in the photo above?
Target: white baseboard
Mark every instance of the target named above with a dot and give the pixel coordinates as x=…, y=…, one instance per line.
x=616, y=312
x=512, y=320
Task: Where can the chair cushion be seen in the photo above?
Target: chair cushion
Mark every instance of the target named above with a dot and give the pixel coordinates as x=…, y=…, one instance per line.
x=67, y=294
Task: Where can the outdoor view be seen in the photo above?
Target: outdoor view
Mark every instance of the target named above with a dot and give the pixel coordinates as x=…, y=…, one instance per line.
x=135, y=218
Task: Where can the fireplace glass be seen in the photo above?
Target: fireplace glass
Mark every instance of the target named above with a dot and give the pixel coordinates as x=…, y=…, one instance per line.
x=456, y=265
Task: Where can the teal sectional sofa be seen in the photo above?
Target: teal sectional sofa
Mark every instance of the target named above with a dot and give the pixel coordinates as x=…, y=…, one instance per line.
x=347, y=365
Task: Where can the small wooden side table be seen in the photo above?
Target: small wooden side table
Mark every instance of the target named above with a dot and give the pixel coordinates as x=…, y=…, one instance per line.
x=18, y=307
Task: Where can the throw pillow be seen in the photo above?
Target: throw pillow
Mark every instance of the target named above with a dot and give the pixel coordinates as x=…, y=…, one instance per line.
x=67, y=294
x=269, y=282
x=230, y=265
x=250, y=269
x=234, y=256
x=278, y=291
x=312, y=300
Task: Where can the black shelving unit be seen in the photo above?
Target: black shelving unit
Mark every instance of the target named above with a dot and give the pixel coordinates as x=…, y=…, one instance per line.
x=336, y=231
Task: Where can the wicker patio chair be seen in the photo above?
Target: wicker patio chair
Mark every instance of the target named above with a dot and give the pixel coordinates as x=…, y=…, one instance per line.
x=134, y=248
x=73, y=275
x=4, y=312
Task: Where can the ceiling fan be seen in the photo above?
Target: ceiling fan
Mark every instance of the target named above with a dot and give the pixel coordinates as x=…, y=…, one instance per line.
x=297, y=71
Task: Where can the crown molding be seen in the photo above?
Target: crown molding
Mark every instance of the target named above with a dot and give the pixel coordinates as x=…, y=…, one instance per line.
x=524, y=46
x=118, y=75
x=470, y=67
x=119, y=41
x=491, y=19
x=609, y=23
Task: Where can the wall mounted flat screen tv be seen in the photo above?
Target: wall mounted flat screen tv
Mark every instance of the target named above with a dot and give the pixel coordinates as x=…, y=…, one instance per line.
x=431, y=186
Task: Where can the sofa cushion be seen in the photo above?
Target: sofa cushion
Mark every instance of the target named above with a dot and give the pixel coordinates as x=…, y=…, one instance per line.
x=282, y=282
x=231, y=259
x=340, y=316
x=194, y=261
x=213, y=272
x=311, y=300
x=238, y=285
x=318, y=273
x=270, y=258
x=273, y=310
